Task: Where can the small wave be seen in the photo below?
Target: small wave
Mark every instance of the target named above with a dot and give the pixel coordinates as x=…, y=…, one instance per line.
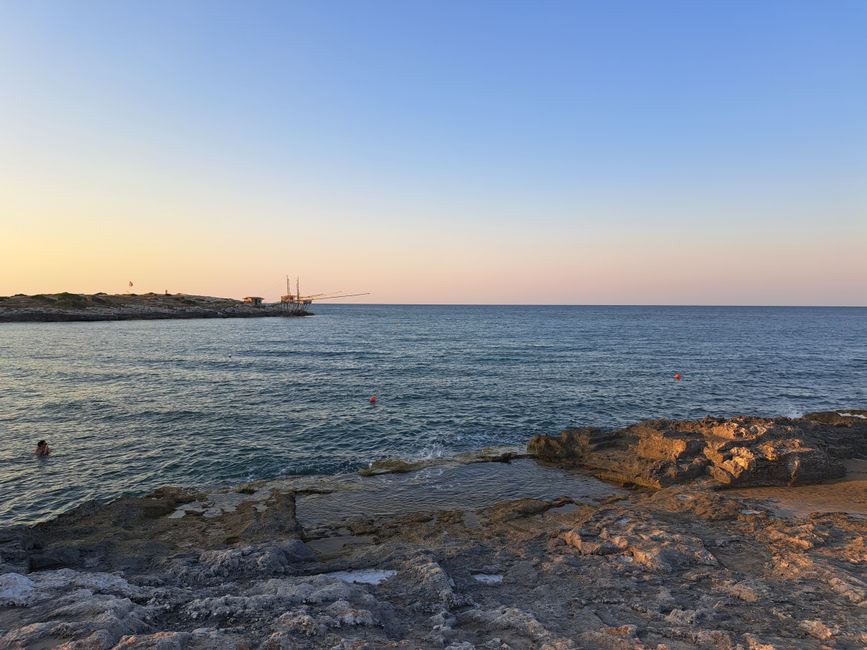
x=192, y=402
x=401, y=465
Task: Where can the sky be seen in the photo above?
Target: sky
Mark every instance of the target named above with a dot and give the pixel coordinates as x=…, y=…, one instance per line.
x=618, y=152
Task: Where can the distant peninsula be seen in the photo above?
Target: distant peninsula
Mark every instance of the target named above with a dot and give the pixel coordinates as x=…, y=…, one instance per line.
x=130, y=306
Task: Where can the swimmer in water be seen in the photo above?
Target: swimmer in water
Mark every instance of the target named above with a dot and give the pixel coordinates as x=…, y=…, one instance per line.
x=42, y=448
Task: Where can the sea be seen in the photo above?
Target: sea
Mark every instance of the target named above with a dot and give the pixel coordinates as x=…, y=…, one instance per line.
x=131, y=406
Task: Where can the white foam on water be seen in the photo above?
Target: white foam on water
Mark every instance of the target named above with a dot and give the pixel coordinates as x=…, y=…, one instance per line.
x=362, y=576
x=487, y=578
x=852, y=415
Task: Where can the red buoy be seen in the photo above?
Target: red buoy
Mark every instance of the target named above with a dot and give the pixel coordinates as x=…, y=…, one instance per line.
x=372, y=399
x=677, y=376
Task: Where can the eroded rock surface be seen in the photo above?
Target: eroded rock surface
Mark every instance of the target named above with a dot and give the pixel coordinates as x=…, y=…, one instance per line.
x=682, y=567
x=735, y=452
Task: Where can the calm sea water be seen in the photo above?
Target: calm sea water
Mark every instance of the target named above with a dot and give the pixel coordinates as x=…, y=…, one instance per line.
x=130, y=406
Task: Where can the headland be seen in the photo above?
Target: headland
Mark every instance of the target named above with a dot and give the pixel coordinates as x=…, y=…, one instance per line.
x=130, y=306
x=663, y=534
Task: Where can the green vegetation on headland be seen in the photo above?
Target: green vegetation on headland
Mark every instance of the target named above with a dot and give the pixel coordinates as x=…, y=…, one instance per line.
x=129, y=306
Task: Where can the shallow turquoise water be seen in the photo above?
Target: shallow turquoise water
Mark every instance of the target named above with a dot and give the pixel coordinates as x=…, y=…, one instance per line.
x=129, y=406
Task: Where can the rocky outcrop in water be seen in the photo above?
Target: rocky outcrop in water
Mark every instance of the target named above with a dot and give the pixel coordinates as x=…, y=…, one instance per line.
x=680, y=567
x=735, y=452
x=147, y=306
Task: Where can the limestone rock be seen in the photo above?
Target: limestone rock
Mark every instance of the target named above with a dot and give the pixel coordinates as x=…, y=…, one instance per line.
x=681, y=567
x=735, y=452
x=434, y=582
x=155, y=641
x=645, y=542
x=259, y=560
x=15, y=589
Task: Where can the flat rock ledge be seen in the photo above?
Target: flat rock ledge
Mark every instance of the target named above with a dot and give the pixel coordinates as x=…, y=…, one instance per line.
x=681, y=567
x=735, y=452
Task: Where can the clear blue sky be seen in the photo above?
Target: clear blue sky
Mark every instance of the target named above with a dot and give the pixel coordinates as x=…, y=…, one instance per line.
x=413, y=145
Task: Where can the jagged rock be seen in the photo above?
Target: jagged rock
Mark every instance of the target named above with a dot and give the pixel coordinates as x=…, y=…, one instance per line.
x=817, y=630
x=786, y=461
x=230, y=608
x=746, y=590
x=342, y=613
x=55, y=559
x=309, y=590
x=509, y=618
x=571, y=446
x=648, y=543
x=430, y=578
x=85, y=619
x=681, y=567
x=155, y=641
x=260, y=560
x=299, y=621
x=736, y=452
x=37, y=588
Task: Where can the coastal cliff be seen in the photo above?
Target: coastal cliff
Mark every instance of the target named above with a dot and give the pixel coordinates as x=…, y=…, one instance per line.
x=146, y=306
x=695, y=560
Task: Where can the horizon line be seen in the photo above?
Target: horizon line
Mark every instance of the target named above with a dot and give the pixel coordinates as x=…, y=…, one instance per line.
x=486, y=304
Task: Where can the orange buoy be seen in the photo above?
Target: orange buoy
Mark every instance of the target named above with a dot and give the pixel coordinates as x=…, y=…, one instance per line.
x=677, y=376
x=372, y=399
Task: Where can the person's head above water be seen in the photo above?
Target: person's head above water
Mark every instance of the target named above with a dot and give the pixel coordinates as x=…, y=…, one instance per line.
x=42, y=448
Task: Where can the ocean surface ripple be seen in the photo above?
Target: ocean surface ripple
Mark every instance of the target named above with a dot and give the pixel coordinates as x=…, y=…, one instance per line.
x=130, y=406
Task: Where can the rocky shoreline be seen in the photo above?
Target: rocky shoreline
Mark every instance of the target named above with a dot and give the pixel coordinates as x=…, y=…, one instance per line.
x=63, y=307
x=680, y=549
